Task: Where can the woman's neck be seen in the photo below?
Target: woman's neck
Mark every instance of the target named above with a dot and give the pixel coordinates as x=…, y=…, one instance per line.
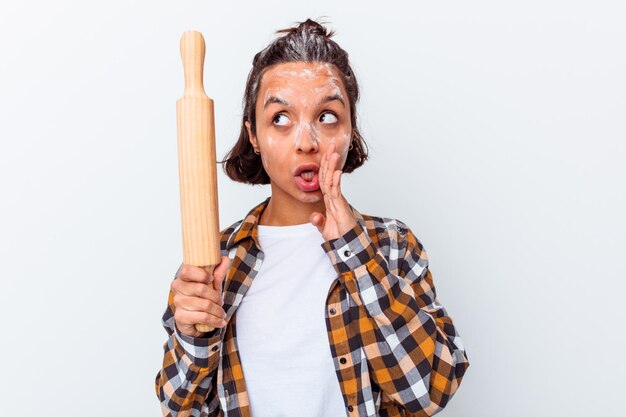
x=288, y=211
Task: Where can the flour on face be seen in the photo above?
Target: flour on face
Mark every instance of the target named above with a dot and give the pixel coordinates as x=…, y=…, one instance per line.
x=302, y=109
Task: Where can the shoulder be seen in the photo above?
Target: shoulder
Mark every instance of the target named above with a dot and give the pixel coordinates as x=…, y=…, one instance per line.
x=390, y=232
x=397, y=242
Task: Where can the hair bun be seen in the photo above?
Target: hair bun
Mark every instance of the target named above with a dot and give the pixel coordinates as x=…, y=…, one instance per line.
x=309, y=26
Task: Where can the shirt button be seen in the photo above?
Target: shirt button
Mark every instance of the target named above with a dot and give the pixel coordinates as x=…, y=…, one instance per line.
x=350, y=408
x=346, y=253
x=214, y=348
x=332, y=310
x=343, y=360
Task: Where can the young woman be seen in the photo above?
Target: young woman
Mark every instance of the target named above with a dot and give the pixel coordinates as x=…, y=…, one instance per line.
x=324, y=310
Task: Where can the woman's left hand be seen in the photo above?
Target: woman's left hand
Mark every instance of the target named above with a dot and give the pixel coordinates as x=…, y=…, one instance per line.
x=339, y=217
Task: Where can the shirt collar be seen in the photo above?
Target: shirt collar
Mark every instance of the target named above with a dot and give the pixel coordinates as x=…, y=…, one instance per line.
x=248, y=226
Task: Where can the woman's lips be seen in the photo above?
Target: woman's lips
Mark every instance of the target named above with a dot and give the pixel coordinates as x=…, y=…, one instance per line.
x=305, y=185
x=306, y=167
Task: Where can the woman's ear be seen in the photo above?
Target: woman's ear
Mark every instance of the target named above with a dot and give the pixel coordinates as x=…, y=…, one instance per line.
x=251, y=137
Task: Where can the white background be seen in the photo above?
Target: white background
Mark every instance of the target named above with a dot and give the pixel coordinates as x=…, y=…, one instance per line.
x=496, y=132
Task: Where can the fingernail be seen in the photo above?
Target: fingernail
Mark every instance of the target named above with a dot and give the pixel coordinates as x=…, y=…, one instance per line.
x=223, y=322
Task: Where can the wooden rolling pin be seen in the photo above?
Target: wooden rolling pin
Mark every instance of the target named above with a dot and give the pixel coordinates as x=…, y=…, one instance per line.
x=197, y=166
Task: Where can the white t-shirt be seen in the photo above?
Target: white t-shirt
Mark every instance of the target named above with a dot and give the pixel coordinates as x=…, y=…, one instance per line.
x=281, y=331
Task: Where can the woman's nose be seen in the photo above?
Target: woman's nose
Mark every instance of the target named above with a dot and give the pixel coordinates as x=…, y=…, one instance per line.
x=307, y=138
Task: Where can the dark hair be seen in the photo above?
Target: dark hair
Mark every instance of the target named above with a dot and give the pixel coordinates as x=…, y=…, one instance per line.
x=309, y=41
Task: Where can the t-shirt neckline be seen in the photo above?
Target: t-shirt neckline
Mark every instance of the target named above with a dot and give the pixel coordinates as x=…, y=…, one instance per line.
x=303, y=228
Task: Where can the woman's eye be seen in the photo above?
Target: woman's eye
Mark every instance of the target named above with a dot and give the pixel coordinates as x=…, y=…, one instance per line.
x=280, y=119
x=328, y=118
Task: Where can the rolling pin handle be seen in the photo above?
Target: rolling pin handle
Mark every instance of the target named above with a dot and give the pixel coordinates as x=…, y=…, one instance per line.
x=205, y=328
x=192, y=50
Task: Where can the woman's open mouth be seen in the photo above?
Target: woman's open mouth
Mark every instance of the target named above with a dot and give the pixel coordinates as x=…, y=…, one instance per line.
x=308, y=180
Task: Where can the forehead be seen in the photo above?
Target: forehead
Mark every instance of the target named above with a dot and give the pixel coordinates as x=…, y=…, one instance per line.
x=302, y=75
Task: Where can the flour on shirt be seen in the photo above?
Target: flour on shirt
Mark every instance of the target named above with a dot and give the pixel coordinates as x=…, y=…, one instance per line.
x=281, y=332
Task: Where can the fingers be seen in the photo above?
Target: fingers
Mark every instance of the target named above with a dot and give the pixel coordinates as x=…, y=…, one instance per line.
x=335, y=188
x=330, y=206
x=220, y=270
x=219, y=274
x=318, y=220
x=190, y=318
x=322, y=172
x=327, y=170
x=198, y=296
x=198, y=304
x=192, y=273
x=196, y=289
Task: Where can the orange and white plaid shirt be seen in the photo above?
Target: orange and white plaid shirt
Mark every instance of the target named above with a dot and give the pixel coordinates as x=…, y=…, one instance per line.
x=395, y=349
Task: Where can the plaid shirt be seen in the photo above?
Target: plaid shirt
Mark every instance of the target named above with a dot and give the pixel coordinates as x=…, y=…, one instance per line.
x=395, y=349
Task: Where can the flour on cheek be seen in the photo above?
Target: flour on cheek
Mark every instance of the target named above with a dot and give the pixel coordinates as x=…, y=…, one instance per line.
x=263, y=154
x=341, y=147
x=344, y=148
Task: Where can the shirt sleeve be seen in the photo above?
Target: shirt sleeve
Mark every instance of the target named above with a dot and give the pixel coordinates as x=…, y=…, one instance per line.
x=183, y=384
x=414, y=352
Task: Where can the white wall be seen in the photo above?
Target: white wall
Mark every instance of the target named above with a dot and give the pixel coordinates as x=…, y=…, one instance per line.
x=496, y=133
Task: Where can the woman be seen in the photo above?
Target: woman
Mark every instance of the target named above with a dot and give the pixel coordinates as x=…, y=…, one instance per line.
x=343, y=317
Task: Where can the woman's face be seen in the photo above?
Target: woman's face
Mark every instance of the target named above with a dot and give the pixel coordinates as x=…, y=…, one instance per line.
x=301, y=109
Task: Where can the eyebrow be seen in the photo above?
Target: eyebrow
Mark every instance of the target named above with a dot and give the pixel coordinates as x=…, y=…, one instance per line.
x=274, y=99
x=326, y=99
x=331, y=98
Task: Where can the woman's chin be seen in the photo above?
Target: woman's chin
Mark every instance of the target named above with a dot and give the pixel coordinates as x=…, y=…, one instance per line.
x=310, y=196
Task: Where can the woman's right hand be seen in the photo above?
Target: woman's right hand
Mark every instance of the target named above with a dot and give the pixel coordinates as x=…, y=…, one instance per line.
x=198, y=297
